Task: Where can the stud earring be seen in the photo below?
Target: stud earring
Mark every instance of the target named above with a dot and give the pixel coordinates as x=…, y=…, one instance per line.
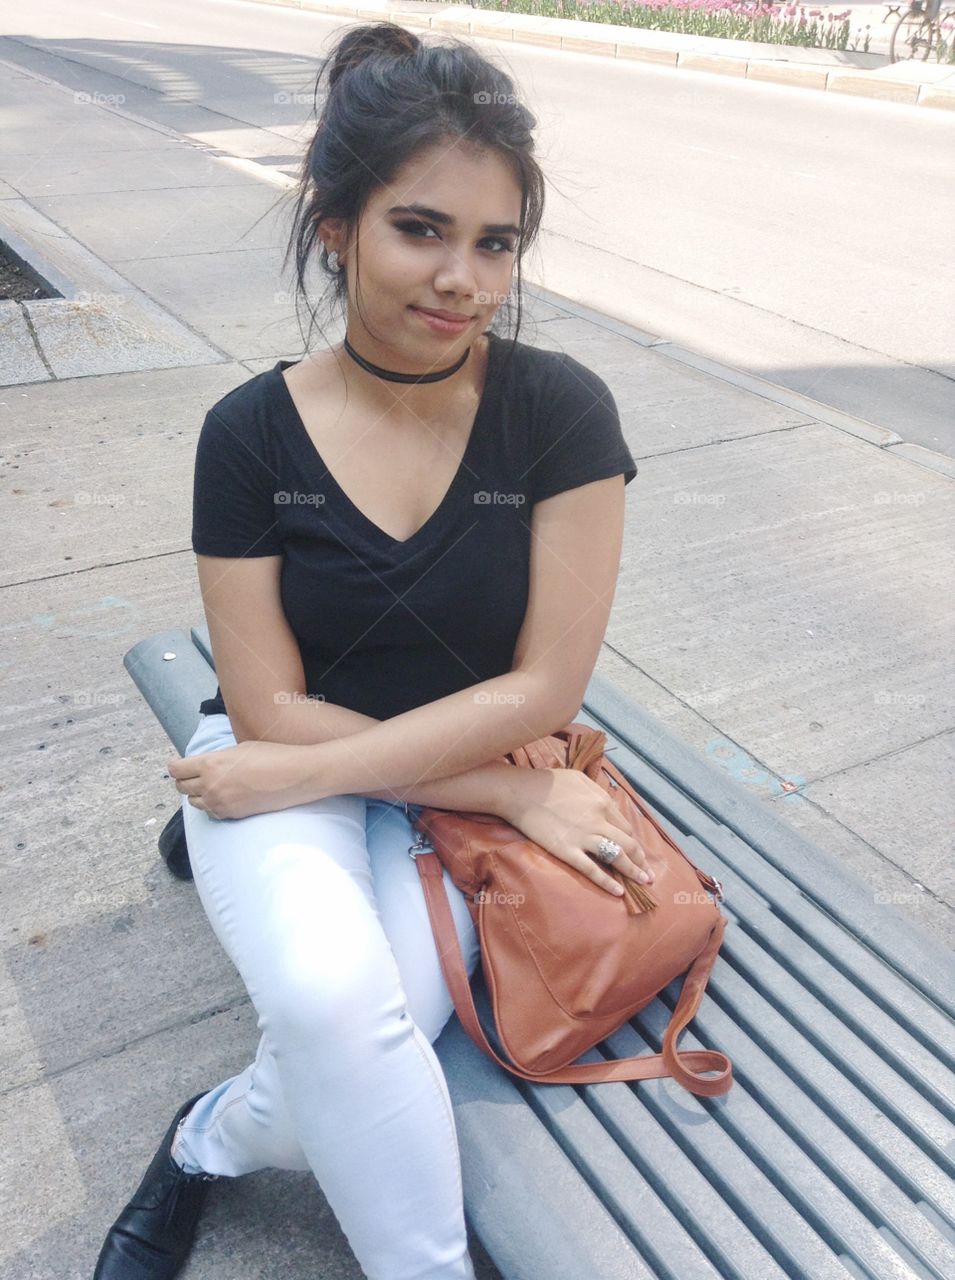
x=333, y=263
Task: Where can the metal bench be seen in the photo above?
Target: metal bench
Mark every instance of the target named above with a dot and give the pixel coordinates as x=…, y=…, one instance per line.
x=831, y=1156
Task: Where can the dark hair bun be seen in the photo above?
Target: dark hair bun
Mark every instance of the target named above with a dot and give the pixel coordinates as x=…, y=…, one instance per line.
x=398, y=97
x=369, y=40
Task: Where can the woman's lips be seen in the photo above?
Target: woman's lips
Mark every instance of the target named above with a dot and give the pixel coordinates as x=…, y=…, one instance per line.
x=440, y=325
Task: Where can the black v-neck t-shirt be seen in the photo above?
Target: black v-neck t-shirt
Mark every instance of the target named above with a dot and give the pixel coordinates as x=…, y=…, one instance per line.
x=386, y=625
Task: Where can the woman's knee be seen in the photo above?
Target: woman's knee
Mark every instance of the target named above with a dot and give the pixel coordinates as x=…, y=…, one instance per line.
x=348, y=1005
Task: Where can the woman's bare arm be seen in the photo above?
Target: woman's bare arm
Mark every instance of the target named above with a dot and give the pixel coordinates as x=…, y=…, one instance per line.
x=575, y=558
x=259, y=667
x=576, y=539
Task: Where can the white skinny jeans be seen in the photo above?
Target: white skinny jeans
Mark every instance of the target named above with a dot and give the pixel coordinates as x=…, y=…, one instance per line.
x=320, y=909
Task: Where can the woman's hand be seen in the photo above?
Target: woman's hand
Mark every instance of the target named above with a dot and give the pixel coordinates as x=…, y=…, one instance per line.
x=568, y=814
x=252, y=777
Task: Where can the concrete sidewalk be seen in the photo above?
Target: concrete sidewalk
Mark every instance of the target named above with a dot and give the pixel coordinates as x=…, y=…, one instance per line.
x=867, y=75
x=783, y=606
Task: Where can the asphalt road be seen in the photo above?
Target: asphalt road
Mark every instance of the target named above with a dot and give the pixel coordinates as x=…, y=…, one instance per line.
x=803, y=236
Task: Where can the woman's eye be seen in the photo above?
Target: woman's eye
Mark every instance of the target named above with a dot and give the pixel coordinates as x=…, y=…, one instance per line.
x=414, y=227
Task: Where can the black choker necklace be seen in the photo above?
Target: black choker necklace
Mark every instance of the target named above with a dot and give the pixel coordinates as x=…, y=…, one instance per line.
x=390, y=376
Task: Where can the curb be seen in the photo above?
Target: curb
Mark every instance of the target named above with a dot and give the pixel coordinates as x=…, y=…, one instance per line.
x=100, y=323
x=633, y=44
x=881, y=437
x=96, y=273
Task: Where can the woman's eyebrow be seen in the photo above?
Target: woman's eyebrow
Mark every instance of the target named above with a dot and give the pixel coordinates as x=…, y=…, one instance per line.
x=496, y=228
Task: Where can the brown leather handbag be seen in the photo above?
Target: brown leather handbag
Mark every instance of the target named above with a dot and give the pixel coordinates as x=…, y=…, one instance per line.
x=565, y=962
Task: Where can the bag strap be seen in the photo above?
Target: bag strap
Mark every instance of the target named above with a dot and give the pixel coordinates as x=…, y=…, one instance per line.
x=684, y=1066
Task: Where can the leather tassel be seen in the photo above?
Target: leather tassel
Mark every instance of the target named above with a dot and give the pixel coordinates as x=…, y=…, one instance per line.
x=636, y=897
x=584, y=748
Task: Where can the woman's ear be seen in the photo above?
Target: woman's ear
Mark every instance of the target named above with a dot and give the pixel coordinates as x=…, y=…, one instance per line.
x=331, y=232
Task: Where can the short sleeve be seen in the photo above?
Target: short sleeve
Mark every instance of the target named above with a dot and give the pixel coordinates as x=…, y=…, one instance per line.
x=578, y=437
x=233, y=502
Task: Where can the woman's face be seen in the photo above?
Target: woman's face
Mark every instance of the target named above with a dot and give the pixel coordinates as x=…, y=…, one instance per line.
x=409, y=258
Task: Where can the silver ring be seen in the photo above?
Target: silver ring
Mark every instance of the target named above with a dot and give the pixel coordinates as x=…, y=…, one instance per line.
x=608, y=850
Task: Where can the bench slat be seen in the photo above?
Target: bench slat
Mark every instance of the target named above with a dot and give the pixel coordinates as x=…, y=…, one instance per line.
x=175, y=687
x=832, y=1155
x=839, y=1190
x=793, y=962
x=524, y=1197
x=853, y=1144
x=765, y=895
x=810, y=1224
x=749, y=1225
x=679, y=770
x=809, y=1044
x=637, y=1166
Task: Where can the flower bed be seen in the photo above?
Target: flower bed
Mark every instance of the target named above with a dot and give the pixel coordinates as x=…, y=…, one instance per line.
x=764, y=23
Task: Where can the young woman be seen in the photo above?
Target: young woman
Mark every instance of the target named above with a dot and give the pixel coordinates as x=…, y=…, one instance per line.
x=407, y=550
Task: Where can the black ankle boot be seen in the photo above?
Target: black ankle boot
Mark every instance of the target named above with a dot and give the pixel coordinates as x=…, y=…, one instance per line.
x=153, y=1235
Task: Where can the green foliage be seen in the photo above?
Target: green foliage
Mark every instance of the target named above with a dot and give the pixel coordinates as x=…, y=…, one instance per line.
x=776, y=24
